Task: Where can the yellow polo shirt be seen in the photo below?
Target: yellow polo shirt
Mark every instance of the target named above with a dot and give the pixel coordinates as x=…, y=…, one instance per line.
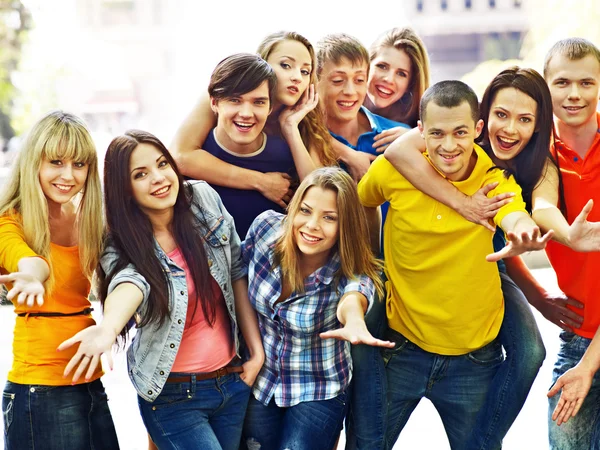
x=442, y=294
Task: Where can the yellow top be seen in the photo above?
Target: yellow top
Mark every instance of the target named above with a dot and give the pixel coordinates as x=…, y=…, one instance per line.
x=35, y=359
x=442, y=294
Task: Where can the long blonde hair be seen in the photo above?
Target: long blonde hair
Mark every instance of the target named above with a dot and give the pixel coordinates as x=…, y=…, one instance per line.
x=353, y=244
x=57, y=135
x=406, y=40
x=313, y=130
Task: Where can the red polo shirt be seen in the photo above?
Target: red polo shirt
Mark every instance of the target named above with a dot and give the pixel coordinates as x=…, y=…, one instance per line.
x=579, y=273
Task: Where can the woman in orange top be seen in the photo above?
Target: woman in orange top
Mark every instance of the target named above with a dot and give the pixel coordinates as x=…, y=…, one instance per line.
x=50, y=241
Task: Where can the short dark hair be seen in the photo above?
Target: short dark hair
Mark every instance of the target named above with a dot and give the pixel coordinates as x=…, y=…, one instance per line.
x=239, y=74
x=573, y=48
x=450, y=94
x=334, y=47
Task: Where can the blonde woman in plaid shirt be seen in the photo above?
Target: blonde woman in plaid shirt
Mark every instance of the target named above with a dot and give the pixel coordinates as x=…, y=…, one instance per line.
x=312, y=278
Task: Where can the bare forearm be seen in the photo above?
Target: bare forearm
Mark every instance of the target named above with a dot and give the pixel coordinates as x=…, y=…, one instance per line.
x=302, y=159
x=121, y=304
x=36, y=267
x=352, y=306
x=591, y=358
x=246, y=317
x=549, y=217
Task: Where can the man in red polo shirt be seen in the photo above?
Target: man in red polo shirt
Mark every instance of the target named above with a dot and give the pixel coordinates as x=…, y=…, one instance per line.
x=572, y=71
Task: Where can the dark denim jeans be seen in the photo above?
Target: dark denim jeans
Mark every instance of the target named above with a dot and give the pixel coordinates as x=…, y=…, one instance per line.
x=581, y=432
x=456, y=385
x=365, y=424
x=305, y=426
x=57, y=417
x=205, y=414
x=525, y=353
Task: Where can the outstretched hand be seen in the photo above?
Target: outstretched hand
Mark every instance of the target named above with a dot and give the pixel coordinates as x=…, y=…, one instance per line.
x=94, y=342
x=27, y=288
x=356, y=332
x=575, y=384
x=519, y=243
x=584, y=236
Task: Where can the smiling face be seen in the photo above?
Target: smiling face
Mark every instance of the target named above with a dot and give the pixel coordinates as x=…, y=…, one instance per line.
x=62, y=179
x=449, y=135
x=389, y=77
x=241, y=119
x=342, y=88
x=315, y=225
x=574, y=86
x=292, y=64
x=511, y=123
x=154, y=183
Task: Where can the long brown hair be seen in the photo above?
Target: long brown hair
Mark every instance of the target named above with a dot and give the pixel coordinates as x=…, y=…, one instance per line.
x=130, y=232
x=353, y=244
x=312, y=128
x=405, y=39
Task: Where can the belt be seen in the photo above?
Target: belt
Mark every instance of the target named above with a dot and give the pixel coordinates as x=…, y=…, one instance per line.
x=83, y=312
x=200, y=376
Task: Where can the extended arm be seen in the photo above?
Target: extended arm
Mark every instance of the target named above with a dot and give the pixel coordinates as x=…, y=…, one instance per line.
x=248, y=323
x=351, y=313
x=97, y=340
x=28, y=281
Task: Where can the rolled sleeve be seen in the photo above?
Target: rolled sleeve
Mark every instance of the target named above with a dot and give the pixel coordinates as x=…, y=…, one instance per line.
x=370, y=190
x=129, y=274
x=363, y=285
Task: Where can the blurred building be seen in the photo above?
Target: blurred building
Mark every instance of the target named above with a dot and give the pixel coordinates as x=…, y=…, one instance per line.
x=460, y=34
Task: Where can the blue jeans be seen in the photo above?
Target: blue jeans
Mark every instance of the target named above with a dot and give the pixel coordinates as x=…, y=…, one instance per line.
x=581, y=432
x=306, y=426
x=525, y=353
x=205, y=414
x=456, y=385
x=57, y=417
x=365, y=424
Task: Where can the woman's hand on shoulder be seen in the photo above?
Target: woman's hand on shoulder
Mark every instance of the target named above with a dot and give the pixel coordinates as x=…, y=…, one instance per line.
x=94, y=342
x=26, y=288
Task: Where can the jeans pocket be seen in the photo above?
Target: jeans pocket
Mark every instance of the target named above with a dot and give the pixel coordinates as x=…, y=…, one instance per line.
x=169, y=398
x=567, y=337
x=488, y=355
x=388, y=353
x=8, y=400
x=239, y=380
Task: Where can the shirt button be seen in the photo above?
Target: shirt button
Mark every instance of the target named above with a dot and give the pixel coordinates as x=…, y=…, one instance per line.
x=179, y=321
x=276, y=358
x=210, y=263
x=576, y=159
x=162, y=372
x=224, y=238
x=439, y=216
x=181, y=292
x=32, y=390
x=149, y=392
x=172, y=345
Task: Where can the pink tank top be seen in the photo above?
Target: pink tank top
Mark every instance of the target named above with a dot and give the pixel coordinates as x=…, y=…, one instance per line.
x=202, y=348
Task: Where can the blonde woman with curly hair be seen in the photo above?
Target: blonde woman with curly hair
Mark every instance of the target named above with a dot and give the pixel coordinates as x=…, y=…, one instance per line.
x=50, y=241
x=295, y=118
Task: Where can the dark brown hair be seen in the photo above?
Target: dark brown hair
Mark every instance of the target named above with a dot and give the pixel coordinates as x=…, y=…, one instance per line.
x=131, y=233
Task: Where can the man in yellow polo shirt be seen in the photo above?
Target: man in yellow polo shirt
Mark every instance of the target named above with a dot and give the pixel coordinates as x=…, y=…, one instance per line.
x=444, y=301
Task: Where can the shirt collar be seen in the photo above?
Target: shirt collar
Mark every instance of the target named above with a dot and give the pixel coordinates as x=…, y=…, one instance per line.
x=326, y=273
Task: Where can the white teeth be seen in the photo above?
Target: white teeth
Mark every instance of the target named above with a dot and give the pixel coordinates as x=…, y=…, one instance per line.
x=507, y=141
x=244, y=125
x=448, y=156
x=161, y=191
x=384, y=90
x=309, y=238
x=63, y=188
x=347, y=104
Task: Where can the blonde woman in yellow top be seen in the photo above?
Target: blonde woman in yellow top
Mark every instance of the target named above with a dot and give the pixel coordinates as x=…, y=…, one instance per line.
x=50, y=240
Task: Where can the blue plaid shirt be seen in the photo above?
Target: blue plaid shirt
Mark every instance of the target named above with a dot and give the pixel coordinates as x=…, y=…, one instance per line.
x=299, y=365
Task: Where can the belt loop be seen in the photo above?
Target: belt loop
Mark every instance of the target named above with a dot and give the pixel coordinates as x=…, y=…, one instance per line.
x=193, y=383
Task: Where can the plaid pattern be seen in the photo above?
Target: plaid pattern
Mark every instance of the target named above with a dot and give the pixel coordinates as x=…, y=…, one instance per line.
x=299, y=365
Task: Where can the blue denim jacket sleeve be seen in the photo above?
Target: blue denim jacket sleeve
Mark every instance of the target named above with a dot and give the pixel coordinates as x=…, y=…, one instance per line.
x=129, y=274
x=238, y=268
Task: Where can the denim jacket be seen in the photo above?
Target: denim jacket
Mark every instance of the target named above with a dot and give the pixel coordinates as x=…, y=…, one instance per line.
x=152, y=352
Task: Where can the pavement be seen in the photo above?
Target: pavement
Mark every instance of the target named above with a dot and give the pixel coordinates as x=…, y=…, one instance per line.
x=424, y=430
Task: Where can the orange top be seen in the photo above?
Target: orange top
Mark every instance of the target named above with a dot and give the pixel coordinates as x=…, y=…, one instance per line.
x=577, y=273
x=203, y=348
x=35, y=359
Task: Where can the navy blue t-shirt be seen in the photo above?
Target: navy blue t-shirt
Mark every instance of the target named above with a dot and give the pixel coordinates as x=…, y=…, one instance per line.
x=245, y=205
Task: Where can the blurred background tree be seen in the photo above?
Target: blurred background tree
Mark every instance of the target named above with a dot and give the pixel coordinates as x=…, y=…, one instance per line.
x=15, y=22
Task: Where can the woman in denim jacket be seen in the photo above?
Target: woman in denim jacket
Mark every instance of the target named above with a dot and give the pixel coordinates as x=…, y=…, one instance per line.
x=170, y=241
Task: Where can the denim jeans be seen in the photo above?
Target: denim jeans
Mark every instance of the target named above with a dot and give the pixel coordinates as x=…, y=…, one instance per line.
x=365, y=423
x=456, y=385
x=306, y=426
x=525, y=353
x=581, y=432
x=57, y=417
x=205, y=414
